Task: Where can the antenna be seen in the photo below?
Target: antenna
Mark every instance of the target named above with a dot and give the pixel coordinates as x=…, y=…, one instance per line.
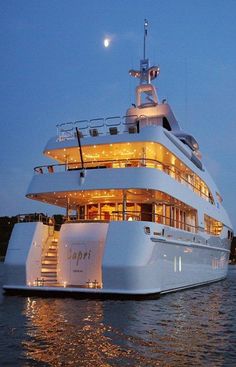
x=146, y=73
x=144, y=38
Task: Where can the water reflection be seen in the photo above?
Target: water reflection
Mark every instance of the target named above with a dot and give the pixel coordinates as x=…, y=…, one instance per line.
x=68, y=332
x=191, y=328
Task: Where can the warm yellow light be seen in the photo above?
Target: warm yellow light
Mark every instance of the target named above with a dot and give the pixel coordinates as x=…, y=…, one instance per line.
x=90, y=284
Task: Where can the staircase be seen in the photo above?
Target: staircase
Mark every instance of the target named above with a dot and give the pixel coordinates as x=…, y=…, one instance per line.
x=49, y=263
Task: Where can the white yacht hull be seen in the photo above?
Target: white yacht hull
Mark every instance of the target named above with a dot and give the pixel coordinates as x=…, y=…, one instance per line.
x=116, y=258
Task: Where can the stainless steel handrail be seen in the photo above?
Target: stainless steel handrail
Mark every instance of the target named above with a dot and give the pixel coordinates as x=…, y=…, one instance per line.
x=128, y=163
x=134, y=216
x=35, y=217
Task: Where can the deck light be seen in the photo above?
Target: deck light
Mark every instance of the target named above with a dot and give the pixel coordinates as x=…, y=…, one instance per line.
x=90, y=284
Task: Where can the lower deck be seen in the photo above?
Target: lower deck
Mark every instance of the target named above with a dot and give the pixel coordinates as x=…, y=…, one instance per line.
x=126, y=258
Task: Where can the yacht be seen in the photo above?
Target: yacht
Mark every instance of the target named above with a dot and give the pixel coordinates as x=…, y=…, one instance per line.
x=142, y=214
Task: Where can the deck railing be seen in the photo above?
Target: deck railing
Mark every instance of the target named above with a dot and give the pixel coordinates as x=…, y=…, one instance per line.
x=114, y=216
x=35, y=217
x=105, y=126
x=171, y=170
x=133, y=216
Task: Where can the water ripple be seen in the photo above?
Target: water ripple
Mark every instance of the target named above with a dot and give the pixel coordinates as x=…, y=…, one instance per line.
x=191, y=328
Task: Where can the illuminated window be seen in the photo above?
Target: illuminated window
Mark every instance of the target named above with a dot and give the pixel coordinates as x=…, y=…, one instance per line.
x=130, y=204
x=107, y=211
x=135, y=154
x=92, y=211
x=212, y=226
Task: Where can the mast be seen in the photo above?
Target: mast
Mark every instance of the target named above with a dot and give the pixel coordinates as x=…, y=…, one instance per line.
x=146, y=73
x=144, y=38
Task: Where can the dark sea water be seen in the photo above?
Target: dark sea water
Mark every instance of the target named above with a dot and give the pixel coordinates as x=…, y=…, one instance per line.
x=190, y=328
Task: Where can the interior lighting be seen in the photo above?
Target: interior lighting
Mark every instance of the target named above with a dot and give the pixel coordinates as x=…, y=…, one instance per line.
x=103, y=196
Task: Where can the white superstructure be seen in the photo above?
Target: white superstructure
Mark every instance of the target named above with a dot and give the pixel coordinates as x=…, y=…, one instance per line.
x=143, y=215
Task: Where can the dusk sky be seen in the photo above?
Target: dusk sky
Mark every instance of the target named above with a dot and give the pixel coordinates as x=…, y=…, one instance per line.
x=54, y=68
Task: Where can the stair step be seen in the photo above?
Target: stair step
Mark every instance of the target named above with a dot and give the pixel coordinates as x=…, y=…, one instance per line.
x=49, y=281
x=49, y=261
x=46, y=281
x=48, y=275
x=49, y=271
x=51, y=254
x=50, y=257
x=49, y=266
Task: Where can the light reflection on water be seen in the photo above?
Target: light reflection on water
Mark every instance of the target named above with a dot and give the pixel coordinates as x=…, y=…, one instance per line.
x=191, y=328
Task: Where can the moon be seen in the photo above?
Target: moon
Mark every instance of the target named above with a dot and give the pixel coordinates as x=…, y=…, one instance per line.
x=106, y=42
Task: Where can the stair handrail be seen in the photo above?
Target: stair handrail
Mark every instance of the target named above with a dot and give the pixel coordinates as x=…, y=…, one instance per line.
x=48, y=241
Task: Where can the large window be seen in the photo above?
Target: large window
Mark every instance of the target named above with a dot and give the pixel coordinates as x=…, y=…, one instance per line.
x=136, y=154
x=136, y=204
x=212, y=226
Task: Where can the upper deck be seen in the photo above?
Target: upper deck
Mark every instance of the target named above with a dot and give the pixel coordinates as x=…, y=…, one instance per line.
x=133, y=122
